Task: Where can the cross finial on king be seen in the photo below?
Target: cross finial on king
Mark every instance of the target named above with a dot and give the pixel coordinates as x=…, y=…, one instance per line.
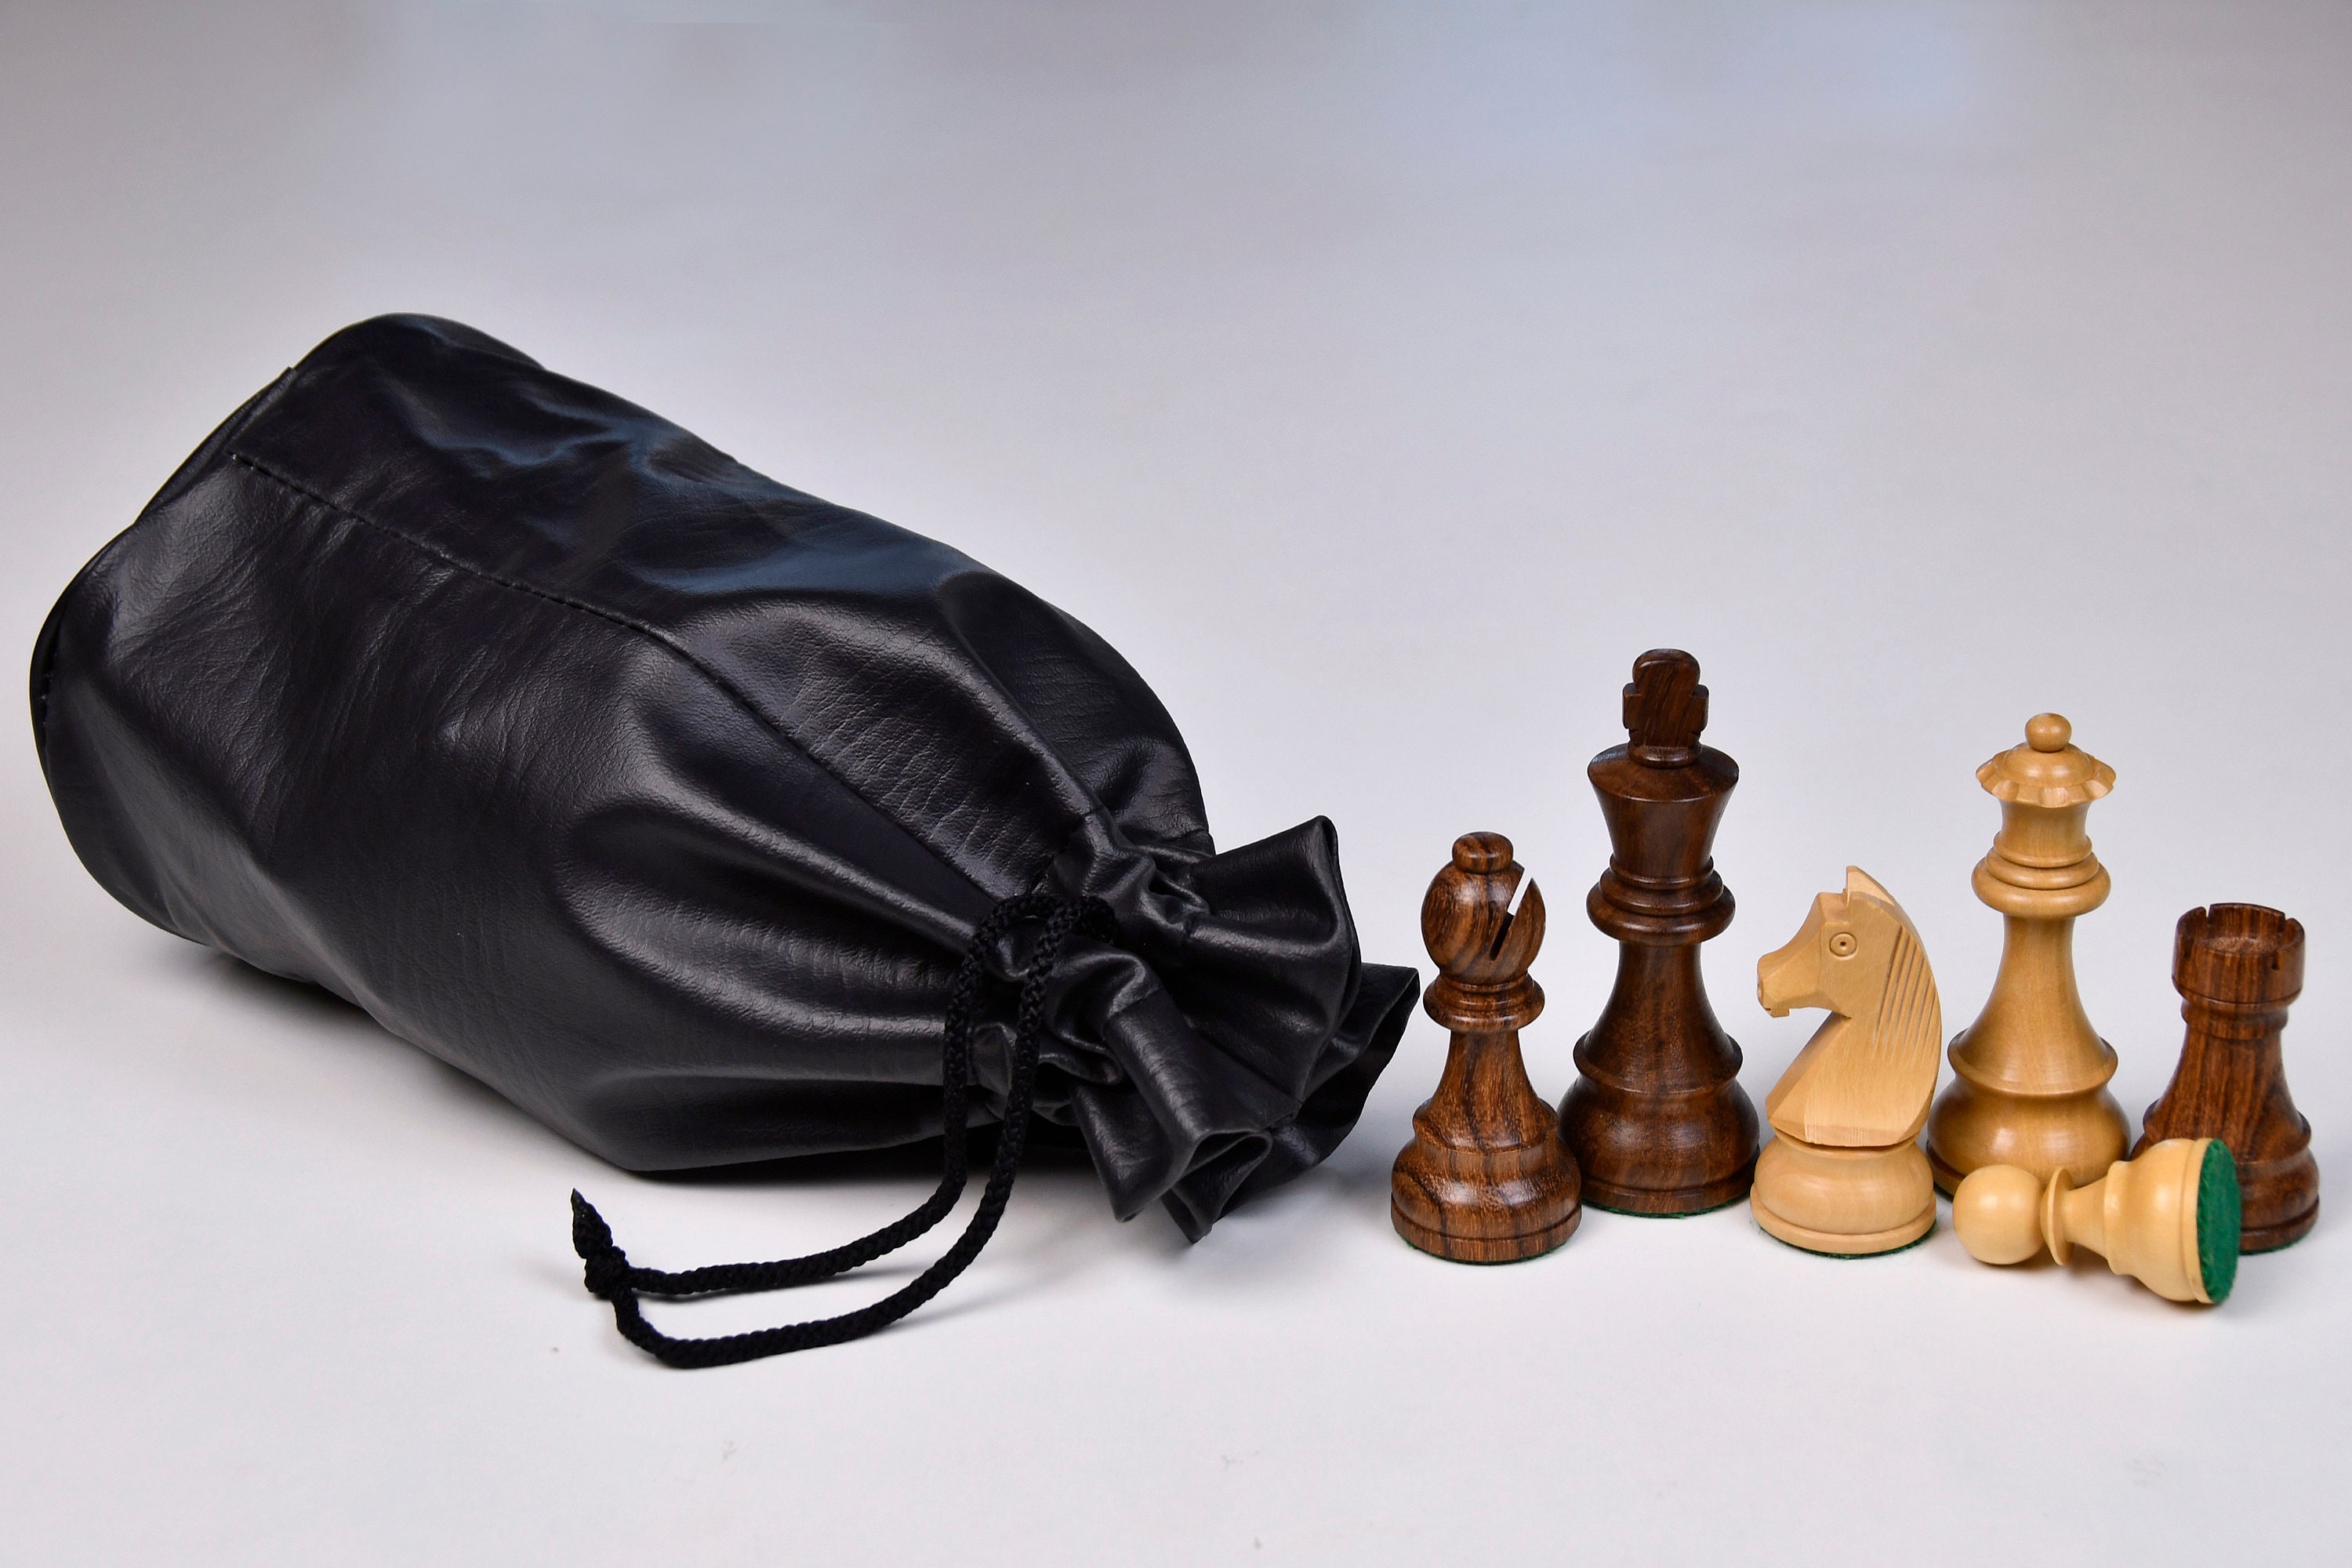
x=1665, y=707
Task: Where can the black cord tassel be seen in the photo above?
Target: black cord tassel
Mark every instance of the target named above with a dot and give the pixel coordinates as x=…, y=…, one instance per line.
x=610, y=1276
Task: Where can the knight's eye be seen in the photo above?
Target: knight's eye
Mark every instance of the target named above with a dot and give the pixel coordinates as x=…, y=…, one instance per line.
x=1843, y=944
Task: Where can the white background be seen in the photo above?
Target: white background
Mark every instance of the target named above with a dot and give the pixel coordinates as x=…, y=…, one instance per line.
x=1379, y=380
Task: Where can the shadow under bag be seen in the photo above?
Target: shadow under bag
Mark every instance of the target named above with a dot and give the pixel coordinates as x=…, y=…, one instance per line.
x=706, y=821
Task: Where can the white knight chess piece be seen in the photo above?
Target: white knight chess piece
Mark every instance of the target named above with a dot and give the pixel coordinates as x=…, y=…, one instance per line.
x=1845, y=1174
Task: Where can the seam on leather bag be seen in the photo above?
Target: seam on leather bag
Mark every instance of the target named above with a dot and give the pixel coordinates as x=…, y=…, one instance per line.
x=715, y=678
x=181, y=479
x=683, y=654
x=45, y=669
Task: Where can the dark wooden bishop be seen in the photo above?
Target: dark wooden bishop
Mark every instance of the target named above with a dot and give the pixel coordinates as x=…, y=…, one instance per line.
x=2238, y=967
x=1485, y=1178
x=1656, y=1118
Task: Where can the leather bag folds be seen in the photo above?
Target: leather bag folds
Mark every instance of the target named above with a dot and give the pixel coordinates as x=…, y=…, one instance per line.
x=668, y=801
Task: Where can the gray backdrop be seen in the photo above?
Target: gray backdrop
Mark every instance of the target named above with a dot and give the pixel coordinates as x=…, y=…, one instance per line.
x=1381, y=380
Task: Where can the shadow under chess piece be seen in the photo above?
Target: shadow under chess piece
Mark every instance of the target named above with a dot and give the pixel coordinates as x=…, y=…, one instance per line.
x=2169, y=1218
x=1656, y=1118
x=1845, y=1174
x=1485, y=1178
x=2031, y=1074
x=2238, y=967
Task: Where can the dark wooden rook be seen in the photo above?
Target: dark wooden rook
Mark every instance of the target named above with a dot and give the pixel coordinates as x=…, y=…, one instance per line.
x=2238, y=967
x=1656, y=1118
x=1485, y=1178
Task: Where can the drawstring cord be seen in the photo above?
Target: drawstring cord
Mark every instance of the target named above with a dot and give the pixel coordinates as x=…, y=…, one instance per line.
x=610, y=1276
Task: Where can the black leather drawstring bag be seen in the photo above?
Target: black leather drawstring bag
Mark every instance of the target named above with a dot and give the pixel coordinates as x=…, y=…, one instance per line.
x=705, y=820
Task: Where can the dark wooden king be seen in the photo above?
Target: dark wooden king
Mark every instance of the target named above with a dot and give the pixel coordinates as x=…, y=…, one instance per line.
x=2238, y=967
x=1656, y=1118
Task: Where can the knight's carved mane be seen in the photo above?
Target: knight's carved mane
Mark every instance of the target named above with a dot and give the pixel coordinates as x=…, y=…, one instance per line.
x=1908, y=1012
x=1865, y=1078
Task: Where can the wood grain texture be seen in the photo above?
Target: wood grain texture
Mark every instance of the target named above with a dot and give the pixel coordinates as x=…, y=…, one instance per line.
x=2142, y=1215
x=1845, y=1174
x=1485, y=1178
x=1656, y=1118
x=2238, y=968
x=2030, y=1078
x=1865, y=1078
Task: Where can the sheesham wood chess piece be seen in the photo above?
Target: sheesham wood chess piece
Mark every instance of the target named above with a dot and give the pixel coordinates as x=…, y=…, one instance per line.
x=2030, y=1084
x=2238, y=967
x=1845, y=1174
x=2169, y=1218
x=1485, y=1178
x=1656, y=1118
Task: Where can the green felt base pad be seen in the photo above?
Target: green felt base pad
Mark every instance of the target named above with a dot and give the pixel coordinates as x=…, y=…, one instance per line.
x=1855, y=1256
x=2217, y=1215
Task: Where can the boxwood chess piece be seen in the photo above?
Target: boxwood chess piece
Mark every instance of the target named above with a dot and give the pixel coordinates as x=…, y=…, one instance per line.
x=1845, y=1175
x=2169, y=1218
x=2030, y=1084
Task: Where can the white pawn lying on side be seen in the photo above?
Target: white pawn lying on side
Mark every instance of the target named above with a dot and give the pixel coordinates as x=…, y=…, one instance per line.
x=2169, y=1219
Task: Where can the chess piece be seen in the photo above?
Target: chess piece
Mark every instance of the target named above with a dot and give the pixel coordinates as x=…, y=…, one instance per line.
x=1845, y=1174
x=2169, y=1218
x=1656, y=1118
x=2031, y=1087
x=2238, y=967
x=1485, y=1178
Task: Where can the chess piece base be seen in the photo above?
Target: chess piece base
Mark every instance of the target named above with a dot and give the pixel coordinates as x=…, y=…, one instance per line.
x=2280, y=1196
x=2081, y=1131
x=1486, y=1205
x=2271, y=1237
x=1660, y=1155
x=1850, y=1203
x=2261, y=1190
x=1682, y=1202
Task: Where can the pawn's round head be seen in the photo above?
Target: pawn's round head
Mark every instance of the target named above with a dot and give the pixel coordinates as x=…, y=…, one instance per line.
x=1998, y=1212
